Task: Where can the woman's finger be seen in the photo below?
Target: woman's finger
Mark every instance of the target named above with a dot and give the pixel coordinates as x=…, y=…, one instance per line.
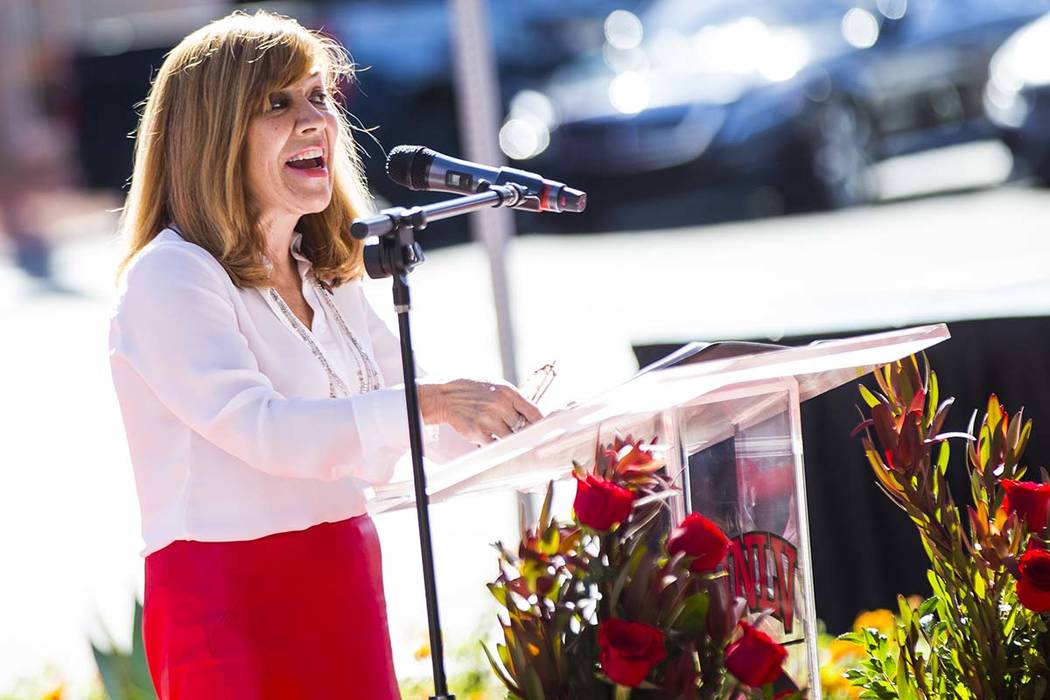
x=526, y=408
x=498, y=427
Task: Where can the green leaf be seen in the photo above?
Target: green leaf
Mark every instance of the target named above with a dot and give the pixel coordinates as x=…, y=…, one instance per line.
x=625, y=572
x=532, y=686
x=640, y=525
x=500, y=673
x=984, y=447
x=140, y=675
x=1026, y=433
x=125, y=676
x=933, y=397
x=545, y=511
x=499, y=593
x=943, y=455
x=550, y=542
x=994, y=413
x=868, y=397
x=691, y=617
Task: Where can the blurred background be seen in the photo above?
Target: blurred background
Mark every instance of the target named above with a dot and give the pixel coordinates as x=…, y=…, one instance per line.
x=777, y=170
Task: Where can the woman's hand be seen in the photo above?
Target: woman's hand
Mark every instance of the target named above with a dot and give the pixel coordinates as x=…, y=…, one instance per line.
x=479, y=411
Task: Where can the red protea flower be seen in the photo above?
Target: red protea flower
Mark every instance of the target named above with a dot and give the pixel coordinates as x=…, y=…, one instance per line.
x=629, y=650
x=755, y=659
x=701, y=539
x=1033, y=585
x=1029, y=500
x=600, y=503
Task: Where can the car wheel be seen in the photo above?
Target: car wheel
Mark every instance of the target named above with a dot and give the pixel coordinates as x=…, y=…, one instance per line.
x=838, y=162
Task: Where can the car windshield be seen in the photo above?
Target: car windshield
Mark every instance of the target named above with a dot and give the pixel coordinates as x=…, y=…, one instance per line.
x=692, y=15
x=724, y=37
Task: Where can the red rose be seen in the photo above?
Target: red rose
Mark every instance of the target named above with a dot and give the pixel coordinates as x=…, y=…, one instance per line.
x=629, y=650
x=700, y=538
x=1029, y=500
x=1033, y=588
x=600, y=503
x=755, y=659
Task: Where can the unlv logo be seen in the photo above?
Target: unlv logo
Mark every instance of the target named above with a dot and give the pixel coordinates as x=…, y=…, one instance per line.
x=761, y=569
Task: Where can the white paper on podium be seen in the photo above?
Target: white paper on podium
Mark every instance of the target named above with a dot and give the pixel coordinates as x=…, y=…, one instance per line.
x=545, y=450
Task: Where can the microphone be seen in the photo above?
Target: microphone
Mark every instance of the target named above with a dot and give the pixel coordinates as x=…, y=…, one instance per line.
x=419, y=168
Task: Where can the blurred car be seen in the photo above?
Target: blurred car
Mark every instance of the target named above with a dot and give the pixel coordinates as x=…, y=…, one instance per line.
x=1017, y=97
x=759, y=107
x=404, y=48
x=404, y=88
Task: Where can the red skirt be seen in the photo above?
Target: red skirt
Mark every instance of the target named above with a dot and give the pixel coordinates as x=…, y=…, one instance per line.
x=288, y=616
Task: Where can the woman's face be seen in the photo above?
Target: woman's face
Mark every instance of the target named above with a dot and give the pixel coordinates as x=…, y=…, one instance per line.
x=289, y=149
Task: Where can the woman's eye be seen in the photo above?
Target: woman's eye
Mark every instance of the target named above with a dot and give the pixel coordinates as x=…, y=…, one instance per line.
x=320, y=97
x=277, y=102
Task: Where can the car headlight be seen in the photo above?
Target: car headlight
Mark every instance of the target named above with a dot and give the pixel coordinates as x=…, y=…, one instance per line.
x=527, y=131
x=1023, y=61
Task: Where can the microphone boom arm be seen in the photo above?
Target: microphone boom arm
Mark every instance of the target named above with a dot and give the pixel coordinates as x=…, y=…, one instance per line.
x=395, y=256
x=389, y=220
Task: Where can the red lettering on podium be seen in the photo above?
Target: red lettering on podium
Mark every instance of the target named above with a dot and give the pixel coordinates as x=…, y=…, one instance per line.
x=762, y=567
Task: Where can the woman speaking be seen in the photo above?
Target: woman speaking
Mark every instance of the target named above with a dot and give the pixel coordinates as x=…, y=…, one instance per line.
x=257, y=385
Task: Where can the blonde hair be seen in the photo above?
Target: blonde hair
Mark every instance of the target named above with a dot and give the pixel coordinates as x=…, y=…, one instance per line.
x=189, y=150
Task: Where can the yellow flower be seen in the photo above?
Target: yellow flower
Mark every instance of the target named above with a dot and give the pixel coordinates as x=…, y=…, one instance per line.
x=837, y=685
x=880, y=619
x=423, y=652
x=832, y=679
x=56, y=693
x=840, y=649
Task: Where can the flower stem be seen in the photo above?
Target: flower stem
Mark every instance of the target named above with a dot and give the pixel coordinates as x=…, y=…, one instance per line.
x=622, y=693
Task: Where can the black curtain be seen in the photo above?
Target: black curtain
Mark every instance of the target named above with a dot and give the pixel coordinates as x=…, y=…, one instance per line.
x=865, y=550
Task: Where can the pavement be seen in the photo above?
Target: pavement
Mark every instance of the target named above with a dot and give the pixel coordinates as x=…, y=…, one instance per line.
x=68, y=514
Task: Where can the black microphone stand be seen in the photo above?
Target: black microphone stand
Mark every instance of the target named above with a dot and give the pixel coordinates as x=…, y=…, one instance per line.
x=396, y=254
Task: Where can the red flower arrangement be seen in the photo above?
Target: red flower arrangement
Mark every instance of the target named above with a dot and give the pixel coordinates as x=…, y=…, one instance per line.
x=1031, y=502
x=1033, y=583
x=614, y=601
x=755, y=658
x=600, y=503
x=985, y=630
x=701, y=540
x=628, y=651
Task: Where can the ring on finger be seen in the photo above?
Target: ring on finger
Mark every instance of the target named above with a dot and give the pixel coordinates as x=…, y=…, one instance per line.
x=518, y=424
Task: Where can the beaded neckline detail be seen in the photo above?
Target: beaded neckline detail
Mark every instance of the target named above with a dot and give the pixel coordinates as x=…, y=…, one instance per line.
x=368, y=378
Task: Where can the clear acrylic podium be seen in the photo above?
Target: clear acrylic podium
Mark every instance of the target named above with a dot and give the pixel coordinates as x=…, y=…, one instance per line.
x=733, y=431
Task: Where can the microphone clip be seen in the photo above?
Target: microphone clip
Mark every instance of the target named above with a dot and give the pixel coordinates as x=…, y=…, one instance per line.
x=397, y=251
x=511, y=194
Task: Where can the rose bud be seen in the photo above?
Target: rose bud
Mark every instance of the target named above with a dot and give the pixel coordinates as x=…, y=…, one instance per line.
x=600, y=503
x=1033, y=586
x=1029, y=500
x=700, y=538
x=629, y=650
x=755, y=659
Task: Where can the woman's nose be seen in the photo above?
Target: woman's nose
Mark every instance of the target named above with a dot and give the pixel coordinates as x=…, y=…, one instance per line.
x=309, y=118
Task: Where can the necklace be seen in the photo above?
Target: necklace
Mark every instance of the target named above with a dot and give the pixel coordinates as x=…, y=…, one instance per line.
x=368, y=378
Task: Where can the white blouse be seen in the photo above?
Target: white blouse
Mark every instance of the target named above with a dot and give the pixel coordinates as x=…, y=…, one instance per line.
x=236, y=429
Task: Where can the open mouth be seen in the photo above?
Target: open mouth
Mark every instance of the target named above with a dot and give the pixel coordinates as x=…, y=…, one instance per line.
x=308, y=164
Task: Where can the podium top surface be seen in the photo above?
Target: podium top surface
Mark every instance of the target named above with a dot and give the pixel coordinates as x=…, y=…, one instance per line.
x=543, y=450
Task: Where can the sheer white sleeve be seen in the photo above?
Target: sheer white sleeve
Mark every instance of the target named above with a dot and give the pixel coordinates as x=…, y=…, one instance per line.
x=175, y=326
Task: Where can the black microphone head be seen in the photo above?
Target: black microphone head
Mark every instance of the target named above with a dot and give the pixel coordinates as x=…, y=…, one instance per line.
x=408, y=165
